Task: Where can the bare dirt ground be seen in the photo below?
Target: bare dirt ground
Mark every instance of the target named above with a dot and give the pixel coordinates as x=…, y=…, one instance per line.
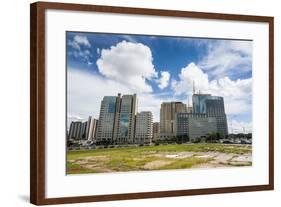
x=150, y=159
x=156, y=164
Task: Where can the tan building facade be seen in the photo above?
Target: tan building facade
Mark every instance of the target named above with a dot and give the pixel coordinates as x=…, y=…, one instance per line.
x=167, y=118
x=156, y=130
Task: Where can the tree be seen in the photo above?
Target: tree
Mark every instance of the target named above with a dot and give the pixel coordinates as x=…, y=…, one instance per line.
x=211, y=137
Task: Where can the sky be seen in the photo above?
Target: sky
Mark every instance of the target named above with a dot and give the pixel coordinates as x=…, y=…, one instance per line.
x=158, y=69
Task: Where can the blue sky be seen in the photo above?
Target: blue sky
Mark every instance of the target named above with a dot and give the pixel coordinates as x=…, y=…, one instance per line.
x=158, y=68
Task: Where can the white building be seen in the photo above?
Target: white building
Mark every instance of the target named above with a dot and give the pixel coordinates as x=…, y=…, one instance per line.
x=91, y=128
x=144, y=125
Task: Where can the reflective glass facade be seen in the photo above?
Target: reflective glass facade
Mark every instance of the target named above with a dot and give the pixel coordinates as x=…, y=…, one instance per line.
x=106, y=120
x=199, y=102
x=117, y=119
x=124, y=125
x=213, y=106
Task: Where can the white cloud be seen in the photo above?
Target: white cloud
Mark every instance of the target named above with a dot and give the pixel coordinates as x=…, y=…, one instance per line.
x=79, y=40
x=85, y=55
x=85, y=92
x=78, y=52
x=223, y=58
x=74, y=117
x=236, y=127
x=163, y=81
x=128, y=63
x=129, y=38
x=237, y=94
x=82, y=40
x=189, y=74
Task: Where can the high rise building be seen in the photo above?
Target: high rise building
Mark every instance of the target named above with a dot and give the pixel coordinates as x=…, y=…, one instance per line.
x=84, y=130
x=91, y=128
x=126, y=119
x=167, y=118
x=143, y=132
x=213, y=106
x=105, y=127
x=77, y=130
x=201, y=126
x=71, y=131
x=183, y=120
x=199, y=102
x=74, y=130
x=194, y=125
x=117, y=119
x=155, y=130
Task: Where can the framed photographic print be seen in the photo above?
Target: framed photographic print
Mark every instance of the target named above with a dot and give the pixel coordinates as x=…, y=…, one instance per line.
x=130, y=103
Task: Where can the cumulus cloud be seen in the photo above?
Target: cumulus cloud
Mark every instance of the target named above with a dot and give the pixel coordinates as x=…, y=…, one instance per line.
x=86, y=90
x=128, y=63
x=189, y=74
x=224, y=57
x=80, y=48
x=78, y=41
x=163, y=81
x=237, y=94
x=82, y=40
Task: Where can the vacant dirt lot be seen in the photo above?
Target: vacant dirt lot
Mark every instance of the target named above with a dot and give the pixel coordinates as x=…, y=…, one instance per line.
x=158, y=157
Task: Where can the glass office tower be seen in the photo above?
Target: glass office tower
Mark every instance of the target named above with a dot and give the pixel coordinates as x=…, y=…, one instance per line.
x=212, y=106
x=105, y=126
x=116, y=123
x=199, y=102
x=126, y=122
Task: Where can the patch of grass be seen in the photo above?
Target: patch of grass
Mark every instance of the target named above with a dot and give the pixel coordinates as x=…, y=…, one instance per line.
x=184, y=163
x=77, y=169
x=135, y=158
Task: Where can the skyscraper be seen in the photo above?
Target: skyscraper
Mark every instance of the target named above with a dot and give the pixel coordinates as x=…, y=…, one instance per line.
x=75, y=130
x=143, y=132
x=155, y=130
x=117, y=119
x=182, y=123
x=91, y=128
x=213, y=106
x=167, y=117
x=126, y=121
x=201, y=126
x=78, y=130
x=105, y=128
x=199, y=102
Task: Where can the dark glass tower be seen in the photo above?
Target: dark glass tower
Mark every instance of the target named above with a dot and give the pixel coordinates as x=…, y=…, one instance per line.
x=212, y=106
x=215, y=108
